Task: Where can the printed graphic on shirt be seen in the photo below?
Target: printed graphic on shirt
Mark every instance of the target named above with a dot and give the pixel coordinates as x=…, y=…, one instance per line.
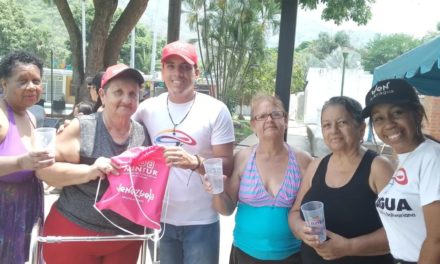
x=390, y=202
x=171, y=137
x=401, y=177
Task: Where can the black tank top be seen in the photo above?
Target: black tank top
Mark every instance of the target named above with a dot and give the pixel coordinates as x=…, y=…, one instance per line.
x=349, y=210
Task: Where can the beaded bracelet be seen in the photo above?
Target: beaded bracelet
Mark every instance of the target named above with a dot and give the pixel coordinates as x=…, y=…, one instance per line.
x=199, y=162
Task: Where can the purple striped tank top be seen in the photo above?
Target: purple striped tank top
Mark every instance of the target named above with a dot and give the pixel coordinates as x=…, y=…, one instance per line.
x=253, y=192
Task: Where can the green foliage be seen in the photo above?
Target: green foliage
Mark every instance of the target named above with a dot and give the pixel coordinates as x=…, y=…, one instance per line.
x=143, y=49
x=18, y=32
x=339, y=11
x=242, y=130
x=46, y=18
x=233, y=37
x=325, y=52
x=384, y=48
x=232, y=34
x=326, y=44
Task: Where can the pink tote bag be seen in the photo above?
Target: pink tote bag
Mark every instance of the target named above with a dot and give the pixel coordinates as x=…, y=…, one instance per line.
x=138, y=191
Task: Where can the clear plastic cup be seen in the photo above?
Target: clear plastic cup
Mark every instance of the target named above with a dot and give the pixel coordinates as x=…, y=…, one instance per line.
x=44, y=139
x=313, y=212
x=214, y=172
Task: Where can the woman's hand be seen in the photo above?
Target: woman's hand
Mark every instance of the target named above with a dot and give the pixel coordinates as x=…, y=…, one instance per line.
x=207, y=185
x=101, y=168
x=35, y=160
x=307, y=235
x=334, y=248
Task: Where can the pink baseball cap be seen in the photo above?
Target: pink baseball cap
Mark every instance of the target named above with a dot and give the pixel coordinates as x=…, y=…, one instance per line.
x=182, y=49
x=121, y=70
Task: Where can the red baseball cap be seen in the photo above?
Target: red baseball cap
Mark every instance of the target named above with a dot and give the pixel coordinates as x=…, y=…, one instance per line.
x=182, y=49
x=120, y=70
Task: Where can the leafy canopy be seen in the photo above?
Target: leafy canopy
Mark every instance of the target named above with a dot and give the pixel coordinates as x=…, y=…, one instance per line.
x=18, y=33
x=384, y=48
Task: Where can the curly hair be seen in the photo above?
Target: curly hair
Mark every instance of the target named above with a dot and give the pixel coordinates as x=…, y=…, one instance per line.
x=10, y=61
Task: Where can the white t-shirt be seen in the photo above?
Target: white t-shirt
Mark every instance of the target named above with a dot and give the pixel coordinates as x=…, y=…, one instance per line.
x=208, y=123
x=415, y=184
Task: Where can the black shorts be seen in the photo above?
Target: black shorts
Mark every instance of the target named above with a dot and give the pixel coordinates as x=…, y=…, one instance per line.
x=398, y=261
x=239, y=257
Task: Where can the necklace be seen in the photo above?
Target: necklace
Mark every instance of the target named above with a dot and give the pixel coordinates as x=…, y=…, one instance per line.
x=184, y=117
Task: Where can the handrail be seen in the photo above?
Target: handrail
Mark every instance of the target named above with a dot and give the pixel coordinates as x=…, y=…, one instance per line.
x=58, y=239
x=35, y=249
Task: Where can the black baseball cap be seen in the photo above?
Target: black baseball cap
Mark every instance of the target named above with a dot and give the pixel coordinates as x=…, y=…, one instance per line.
x=390, y=91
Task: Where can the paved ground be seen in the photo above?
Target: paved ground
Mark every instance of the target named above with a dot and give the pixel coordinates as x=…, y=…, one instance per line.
x=297, y=137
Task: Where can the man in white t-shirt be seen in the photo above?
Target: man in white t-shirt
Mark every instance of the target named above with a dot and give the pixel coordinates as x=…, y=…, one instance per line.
x=193, y=126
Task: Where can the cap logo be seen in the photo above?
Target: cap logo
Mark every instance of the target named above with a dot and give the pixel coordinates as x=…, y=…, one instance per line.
x=179, y=46
x=116, y=71
x=381, y=90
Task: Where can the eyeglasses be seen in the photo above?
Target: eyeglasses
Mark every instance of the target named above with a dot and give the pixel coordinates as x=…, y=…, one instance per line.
x=273, y=115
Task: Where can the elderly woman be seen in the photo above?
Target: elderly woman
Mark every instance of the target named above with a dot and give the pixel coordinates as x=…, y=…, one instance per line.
x=409, y=206
x=263, y=186
x=347, y=182
x=20, y=191
x=83, y=155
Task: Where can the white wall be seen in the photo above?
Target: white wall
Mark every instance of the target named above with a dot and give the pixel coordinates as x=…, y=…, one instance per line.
x=326, y=83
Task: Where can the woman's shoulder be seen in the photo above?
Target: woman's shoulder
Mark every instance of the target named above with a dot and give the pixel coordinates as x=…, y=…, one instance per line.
x=431, y=146
x=303, y=157
x=4, y=122
x=382, y=169
x=244, y=153
x=137, y=125
x=381, y=163
x=241, y=158
x=301, y=153
x=314, y=163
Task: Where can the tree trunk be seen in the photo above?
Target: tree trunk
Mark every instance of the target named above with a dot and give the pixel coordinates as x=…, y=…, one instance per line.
x=174, y=11
x=76, y=45
x=103, y=47
x=240, y=116
x=104, y=11
x=119, y=34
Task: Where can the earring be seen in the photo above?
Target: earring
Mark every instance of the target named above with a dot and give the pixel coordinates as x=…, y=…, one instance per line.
x=418, y=130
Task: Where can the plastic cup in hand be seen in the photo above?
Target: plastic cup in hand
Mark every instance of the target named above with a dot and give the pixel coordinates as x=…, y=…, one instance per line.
x=44, y=139
x=214, y=171
x=313, y=212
